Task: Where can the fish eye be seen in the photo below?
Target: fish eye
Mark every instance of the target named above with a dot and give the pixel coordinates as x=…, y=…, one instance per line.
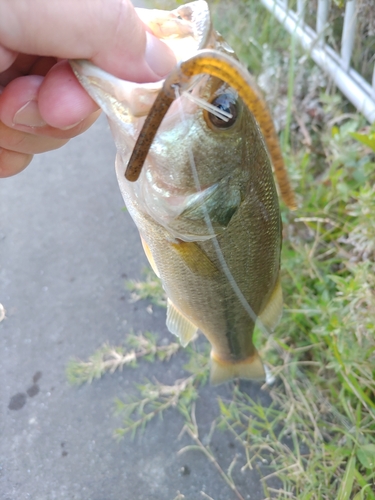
x=228, y=104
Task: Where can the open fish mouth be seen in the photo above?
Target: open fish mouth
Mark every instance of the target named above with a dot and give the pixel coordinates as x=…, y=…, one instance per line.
x=185, y=30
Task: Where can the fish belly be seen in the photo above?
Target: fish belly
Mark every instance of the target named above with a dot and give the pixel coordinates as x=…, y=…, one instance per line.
x=199, y=289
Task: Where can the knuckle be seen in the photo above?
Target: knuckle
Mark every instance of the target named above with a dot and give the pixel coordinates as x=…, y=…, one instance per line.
x=12, y=162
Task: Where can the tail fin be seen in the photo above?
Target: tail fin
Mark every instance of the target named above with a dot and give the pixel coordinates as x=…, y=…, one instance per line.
x=223, y=371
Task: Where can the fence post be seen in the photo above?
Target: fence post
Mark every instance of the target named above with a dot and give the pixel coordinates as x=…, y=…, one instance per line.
x=348, y=33
x=358, y=91
x=321, y=20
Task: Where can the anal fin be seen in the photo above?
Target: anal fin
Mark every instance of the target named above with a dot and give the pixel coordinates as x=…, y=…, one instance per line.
x=179, y=325
x=223, y=371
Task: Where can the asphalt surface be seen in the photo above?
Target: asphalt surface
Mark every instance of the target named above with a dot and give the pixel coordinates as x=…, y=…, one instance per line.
x=66, y=249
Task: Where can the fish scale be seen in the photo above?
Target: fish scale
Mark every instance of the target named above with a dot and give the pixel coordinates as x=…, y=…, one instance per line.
x=210, y=246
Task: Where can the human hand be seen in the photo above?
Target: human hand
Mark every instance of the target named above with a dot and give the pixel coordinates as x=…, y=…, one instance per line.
x=42, y=105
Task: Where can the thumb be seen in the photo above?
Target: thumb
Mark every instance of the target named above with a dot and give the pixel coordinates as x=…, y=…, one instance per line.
x=109, y=33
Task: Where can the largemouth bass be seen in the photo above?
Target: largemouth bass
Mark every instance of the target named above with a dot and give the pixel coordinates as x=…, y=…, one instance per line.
x=205, y=202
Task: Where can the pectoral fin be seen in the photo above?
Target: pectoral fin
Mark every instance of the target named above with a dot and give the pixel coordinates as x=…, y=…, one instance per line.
x=271, y=314
x=179, y=325
x=219, y=202
x=223, y=371
x=195, y=258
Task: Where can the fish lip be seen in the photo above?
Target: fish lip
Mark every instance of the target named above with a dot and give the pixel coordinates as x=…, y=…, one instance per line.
x=192, y=19
x=86, y=70
x=196, y=14
x=105, y=88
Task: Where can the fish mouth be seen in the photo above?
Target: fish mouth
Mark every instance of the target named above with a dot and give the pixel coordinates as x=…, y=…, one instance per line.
x=185, y=30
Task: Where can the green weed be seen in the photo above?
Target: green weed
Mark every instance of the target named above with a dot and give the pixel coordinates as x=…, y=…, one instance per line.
x=149, y=289
x=109, y=359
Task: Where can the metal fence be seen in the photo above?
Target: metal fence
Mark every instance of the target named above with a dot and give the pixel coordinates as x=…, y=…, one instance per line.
x=359, y=91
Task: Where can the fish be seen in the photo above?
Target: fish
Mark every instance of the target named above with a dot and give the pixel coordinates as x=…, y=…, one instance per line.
x=205, y=202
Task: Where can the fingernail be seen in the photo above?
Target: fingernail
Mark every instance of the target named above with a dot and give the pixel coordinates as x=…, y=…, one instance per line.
x=29, y=115
x=71, y=126
x=159, y=56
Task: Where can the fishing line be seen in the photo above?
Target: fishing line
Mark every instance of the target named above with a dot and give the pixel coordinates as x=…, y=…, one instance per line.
x=216, y=64
x=269, y=377
x=208, y=222
x=214, y=110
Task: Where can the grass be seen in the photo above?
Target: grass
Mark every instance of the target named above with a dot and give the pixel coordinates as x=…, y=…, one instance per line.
x=318, y=435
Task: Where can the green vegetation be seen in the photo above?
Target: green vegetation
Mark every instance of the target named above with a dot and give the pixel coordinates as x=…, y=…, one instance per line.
x=318, y=435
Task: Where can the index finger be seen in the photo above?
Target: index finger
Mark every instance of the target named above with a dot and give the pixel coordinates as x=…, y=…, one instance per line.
x=109, y=33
